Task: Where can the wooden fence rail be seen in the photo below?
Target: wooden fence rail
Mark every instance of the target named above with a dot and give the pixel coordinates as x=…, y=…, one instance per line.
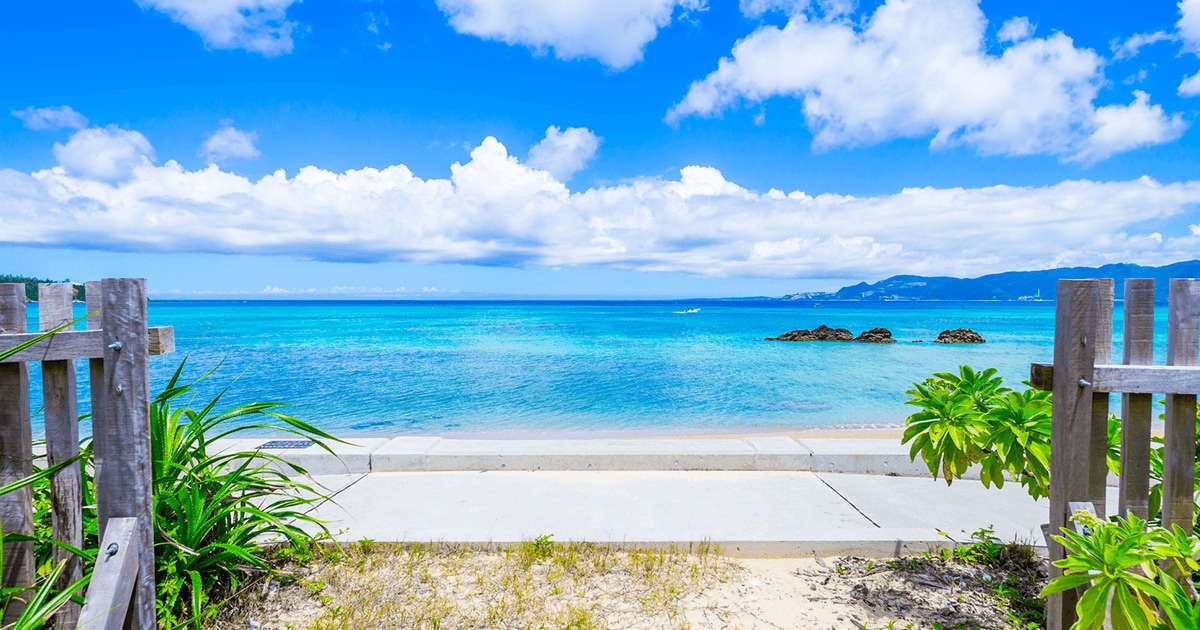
x=1082, y=377
x=118, y=344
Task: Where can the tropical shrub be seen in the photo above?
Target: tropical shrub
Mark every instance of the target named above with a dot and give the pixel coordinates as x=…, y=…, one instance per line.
x=971, y=418
x=216, y=513
x=212, y=510
x=1135, y=574
x=1135, y=577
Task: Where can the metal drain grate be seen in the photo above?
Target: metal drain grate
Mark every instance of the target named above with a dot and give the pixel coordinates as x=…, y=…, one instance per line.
x=282, y=444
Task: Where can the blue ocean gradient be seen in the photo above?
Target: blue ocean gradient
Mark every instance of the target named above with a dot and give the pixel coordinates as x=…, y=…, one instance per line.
x=395, y=368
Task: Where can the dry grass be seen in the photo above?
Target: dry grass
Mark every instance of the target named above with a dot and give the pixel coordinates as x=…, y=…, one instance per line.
x=543, y=584
x=534, y=584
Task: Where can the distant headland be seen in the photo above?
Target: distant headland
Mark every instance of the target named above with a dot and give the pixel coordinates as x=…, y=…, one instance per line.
x=1007, y=286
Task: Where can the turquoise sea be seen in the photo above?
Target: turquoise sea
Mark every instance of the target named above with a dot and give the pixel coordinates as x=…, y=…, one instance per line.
x=388, y=368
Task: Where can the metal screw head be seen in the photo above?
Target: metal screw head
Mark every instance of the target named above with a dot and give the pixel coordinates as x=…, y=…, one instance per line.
x=112, y=550
x=1084, y=383
x=116, y=345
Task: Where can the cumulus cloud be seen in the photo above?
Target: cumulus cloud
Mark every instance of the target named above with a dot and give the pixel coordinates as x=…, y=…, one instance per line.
x=1189, y=24
x=919, y=68
x=564, y=153
x=1123, y=127
x=1188, y=28
x=228, y=143
x=259, y=26
x=61, y=117
x=615, y=32
x=106, y=154
x=494, y=210
x=1015, y=30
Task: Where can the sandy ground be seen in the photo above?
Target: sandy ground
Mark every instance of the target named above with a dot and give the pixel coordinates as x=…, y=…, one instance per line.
x=548, y=585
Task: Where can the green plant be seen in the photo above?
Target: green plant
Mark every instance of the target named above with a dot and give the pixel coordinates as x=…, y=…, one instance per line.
x=972, y=418
x=1135, y=577
x=213, y=509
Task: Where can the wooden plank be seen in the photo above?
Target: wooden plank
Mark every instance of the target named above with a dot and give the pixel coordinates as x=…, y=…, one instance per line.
x=113, y=578
x=95, y=306
x=79, y=344
x=161, y=340
x=1132, y=379
x=123, y=482
x=1098, y=455
x=1041, y=376
x=1179, y=457
x=61, y=413
x=1070, y=428
x=1136, y=414
x=16, y=452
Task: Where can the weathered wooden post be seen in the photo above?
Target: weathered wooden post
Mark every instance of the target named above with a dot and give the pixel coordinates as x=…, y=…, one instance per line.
x=1098, y=455
x=1070, y=469
x=1136, y=408
x=1179, y=439
x=16, y=450
x=55, y=308
x=123, y=455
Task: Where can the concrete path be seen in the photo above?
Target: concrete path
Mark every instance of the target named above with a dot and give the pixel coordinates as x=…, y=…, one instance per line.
x=770, y=496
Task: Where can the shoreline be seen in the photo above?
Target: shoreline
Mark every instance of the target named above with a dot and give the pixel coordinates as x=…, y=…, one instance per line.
x=841, y=431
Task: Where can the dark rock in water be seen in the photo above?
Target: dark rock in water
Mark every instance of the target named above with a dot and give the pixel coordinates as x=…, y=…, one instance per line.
x=876, y=335
x=820, y=333
x=959, y=335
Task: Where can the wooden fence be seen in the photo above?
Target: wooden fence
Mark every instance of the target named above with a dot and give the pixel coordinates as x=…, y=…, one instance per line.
x=1082, y=377
x=117, y=344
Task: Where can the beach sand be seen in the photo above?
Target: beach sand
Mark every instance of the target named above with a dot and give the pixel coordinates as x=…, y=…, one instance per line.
x=602, y=587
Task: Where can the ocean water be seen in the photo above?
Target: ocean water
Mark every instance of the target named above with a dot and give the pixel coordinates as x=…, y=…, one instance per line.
x=392, y=368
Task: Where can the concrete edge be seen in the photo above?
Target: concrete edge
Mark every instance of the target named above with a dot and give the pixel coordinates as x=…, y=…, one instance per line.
x=439, y=454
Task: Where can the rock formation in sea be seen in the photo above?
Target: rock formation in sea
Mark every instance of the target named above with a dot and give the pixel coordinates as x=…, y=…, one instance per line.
x=820, y=333
x=959, y=335
x=876, y=335
x=825, y=333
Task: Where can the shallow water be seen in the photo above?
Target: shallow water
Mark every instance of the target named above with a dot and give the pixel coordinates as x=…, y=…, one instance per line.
x=359, y=368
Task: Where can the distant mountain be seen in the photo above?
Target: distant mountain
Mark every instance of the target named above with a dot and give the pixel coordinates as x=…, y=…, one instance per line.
x=1011, y=285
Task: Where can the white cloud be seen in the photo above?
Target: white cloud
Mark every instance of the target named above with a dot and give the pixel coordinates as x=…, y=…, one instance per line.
x=918, y=68
x=104, y=153
x=493, y=210
x=259, y=26
x=758, y=8
x=615, y=32
x=1125, y=49
x=61, y=117
x=1189, y=24
x=228, y=143
x=1015, y=30
x=1123, y=127
x=564, y=153
x=1190, y=85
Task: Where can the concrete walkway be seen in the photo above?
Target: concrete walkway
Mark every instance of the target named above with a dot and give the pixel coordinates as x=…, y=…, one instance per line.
x=766, y=496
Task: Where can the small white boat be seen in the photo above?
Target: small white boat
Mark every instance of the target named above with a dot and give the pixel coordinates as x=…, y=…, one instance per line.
x=688, y=310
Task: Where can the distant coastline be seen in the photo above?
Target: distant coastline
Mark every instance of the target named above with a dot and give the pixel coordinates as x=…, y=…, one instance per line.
x=1011, y=286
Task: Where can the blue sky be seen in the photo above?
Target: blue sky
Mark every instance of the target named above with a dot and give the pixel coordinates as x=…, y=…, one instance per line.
x=596, y=148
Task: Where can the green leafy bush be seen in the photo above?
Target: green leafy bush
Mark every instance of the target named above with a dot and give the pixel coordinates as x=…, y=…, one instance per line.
x=1135, y=577
x=972, y=418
